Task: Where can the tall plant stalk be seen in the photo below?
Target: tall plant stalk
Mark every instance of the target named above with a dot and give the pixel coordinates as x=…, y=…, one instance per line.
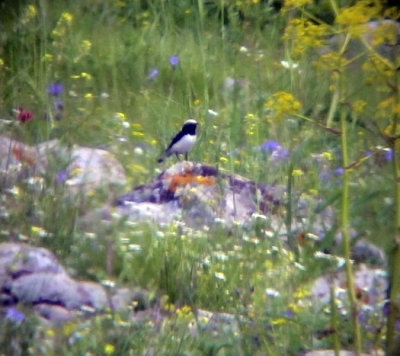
x=392, y=346
x=345, y=227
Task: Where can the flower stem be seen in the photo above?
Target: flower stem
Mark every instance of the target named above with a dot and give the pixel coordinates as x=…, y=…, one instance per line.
x=345, y=226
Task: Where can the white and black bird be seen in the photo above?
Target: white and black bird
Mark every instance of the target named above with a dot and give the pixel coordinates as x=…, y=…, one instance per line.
x=183, y=142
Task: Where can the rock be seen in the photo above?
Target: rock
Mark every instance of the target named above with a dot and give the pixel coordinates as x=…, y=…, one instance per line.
x=332, y=353
x=85, y=169
x=21, y=259
x=44, y=287
x=33, y=276
x=200, y=194
x=371, y=283
x=55, y=313
x=366, y=252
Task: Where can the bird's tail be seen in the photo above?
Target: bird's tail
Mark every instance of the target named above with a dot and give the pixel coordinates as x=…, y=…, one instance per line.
x=161, y=159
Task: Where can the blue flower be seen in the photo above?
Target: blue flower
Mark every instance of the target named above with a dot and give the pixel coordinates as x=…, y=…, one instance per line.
x=55, y=89
x=62, y=176
x=389, y=154
x=325, y=176
x=174, y=60
x=339, y=171
x=275, y=150
x=270, y=146
x=154, y=73
x=15, y=315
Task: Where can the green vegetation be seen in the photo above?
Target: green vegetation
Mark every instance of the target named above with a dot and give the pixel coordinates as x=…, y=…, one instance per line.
x=316, y=79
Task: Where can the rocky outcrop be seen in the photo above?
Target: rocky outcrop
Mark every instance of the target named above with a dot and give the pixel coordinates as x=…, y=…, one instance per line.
x=33, y=276
x=80, y=169
x=199, y=194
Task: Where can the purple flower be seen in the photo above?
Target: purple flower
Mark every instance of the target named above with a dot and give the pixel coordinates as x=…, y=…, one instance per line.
x=55, y=89
x=289, y=313
x=62, y=176
x=325, y=176
x=270, y=146
x=15, y=315
x=275, y=149
x=174, y=60
x=339, y=171
x=154, y=73
x=389, y=154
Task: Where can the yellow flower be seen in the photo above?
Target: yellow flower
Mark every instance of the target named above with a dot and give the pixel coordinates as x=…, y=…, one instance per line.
x=283, y=103
x=120, y=116
x=388, y=106
x=331, y=61
x=48, y=57
x=89, y=96
x=359, y=106
x=86, y=75
x=304, y=35
x=1, y=62
x=297, y=173
x=279, y=321
x=32, y=10
x=109, y=349
x=67, y=17
x=354, y=17
x=63, y=23
x=85, y=47
x=197, y=102
x=295, y=3
x=302, y=292
x=328, y=156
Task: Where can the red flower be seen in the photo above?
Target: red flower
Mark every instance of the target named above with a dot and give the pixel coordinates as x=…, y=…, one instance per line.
x=24, y=115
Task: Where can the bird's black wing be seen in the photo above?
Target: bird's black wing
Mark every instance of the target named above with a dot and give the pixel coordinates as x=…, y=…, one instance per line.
x=177, y=138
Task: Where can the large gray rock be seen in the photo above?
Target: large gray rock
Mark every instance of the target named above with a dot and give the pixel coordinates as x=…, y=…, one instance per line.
x=85, y=169
x=33, y=276
x=199, y=195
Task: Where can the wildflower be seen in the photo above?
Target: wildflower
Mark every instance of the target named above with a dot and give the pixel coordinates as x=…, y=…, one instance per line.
x=389, y=154
x=359, y=106
x=174, y=60
x=15, y=315
x=109, y=349
x=354, y=17
x=276, y=151
x=297, y=173
x=55, y=89
x=289, y=64
x=339, y=171
x=212, y=112
x=85, y=46
x=283, y=103
x=304, y=35
x=270, y=292
x=220, y=276
x=24, y=115
x=154, y=73
x=296, y=3
x=62, y=176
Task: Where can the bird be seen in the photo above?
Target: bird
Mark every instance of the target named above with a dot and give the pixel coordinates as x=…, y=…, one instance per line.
x=183, y=141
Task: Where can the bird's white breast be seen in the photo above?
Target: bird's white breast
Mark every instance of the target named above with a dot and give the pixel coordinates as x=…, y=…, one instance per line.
x=184, y=145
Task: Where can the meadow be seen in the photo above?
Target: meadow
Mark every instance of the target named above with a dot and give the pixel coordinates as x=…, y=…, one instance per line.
x=317, y=79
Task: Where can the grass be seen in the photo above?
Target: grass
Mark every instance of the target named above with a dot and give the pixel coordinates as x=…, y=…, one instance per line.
x=122, y=92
